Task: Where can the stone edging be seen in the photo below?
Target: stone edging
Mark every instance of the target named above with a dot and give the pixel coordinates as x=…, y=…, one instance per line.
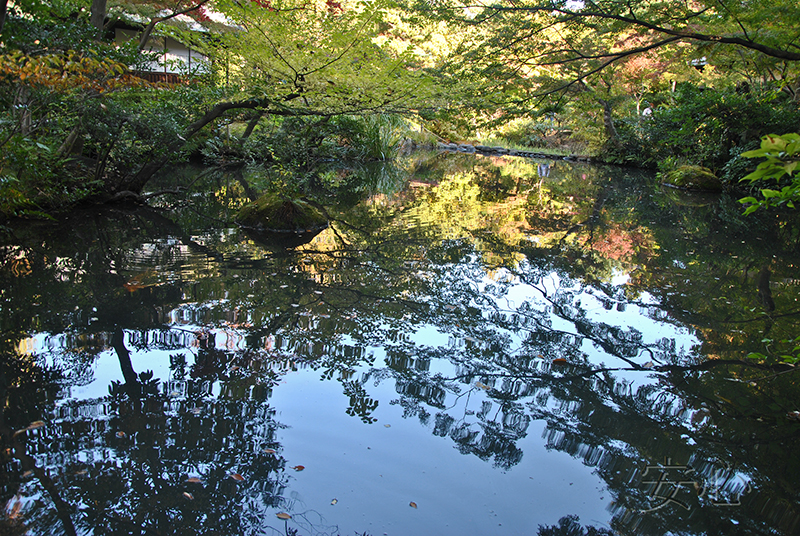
x=502, y=151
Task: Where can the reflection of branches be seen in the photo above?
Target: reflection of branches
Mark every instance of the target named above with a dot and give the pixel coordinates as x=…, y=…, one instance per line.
x=28, y=463
x=760, y=318
x=699, y=367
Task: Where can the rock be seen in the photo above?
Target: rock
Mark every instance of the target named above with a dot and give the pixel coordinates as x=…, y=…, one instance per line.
x=274, y=213
x=279, y=223
x=695, y=178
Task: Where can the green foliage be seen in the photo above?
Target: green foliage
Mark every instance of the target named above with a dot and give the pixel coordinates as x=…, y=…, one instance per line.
x=33, y=178
x=704, y=126
x=124, y=132
x=303, y=142
x=36, y=27
x=524, y=132
x=788, y=351
x=782, y=155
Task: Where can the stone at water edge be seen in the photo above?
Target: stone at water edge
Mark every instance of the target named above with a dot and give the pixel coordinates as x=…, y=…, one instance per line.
x=693, y=178
x=276, y=213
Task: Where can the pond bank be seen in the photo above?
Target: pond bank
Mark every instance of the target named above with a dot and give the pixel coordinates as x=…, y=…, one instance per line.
x=487, y=150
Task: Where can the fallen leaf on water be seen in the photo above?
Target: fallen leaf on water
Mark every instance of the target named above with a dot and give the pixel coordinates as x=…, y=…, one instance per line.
x=188, y=495
x=283, y=515
x=559, y=361
x=194, y=480
x=334, y=501
x=412, y=504
x=237, y=477
x=298, y=467
x=82, y=472
x=26, y=474
x=270, y=451
x=120, y=434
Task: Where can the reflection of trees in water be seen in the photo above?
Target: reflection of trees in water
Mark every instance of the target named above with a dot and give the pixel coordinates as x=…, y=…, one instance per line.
x=511, y=361
x=161, y=457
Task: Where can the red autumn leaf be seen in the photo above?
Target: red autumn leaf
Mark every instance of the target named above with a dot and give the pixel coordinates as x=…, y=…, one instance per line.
x=237, y=477
x=559, y=361
x=298, y=467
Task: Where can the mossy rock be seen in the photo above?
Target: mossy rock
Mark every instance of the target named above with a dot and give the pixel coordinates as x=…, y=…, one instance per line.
x=274, y=213
x=695, y=178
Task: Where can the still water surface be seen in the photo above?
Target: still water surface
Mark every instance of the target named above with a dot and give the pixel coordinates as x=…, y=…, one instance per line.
x=472, y=348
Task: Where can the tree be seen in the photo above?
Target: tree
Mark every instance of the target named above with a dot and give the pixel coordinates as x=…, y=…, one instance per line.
x=286, y=58
x=304, y=59
x=159, y=12
x=557, y=48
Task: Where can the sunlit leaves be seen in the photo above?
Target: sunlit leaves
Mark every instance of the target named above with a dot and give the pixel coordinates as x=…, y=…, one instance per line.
x=782, y=155
x=66, y=72
x=325, y=60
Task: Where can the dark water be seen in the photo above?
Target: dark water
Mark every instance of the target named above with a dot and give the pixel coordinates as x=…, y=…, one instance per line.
x=470, y=348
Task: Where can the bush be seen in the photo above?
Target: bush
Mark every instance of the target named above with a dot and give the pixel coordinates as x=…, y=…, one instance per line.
x=304, y=142
x=705, y=127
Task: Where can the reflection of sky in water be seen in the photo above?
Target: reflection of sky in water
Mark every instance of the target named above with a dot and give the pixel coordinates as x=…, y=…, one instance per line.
x=375, y=471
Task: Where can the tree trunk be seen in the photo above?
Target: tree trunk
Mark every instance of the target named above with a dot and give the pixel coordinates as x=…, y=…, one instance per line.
x=98, y=15
x=3, y=11
x=146, y=33
x=21, y=103
x=251, y=126
x=608, y=123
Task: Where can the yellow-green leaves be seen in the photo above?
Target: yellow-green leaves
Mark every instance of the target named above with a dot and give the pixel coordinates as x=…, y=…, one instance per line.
x=782, y=155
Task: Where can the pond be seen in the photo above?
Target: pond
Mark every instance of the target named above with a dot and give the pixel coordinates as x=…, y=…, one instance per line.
x=474, y=346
